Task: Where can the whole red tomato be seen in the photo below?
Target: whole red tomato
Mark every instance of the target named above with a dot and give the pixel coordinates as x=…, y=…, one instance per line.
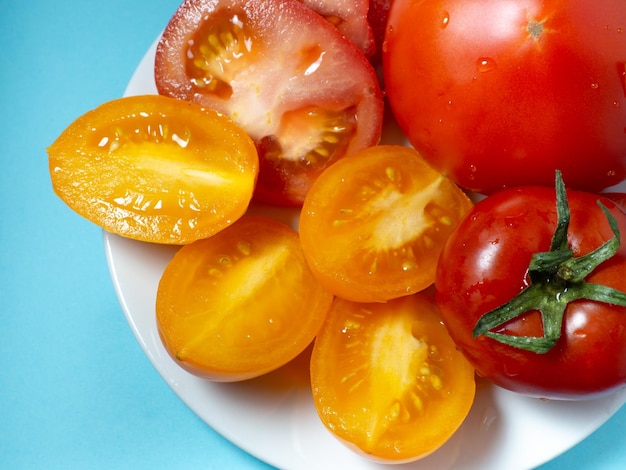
x=501, y=93
x=486, y=263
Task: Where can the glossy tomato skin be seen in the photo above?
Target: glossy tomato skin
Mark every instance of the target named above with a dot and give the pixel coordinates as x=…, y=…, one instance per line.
x=304, y=93
x=484, y=264
x=500, y=94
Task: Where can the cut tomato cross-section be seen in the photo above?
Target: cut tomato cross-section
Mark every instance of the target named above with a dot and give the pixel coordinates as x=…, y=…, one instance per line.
x=304, y=93
x=155, y=169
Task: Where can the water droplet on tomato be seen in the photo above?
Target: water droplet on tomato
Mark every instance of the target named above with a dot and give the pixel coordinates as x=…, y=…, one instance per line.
x=514, y=221
x=595, y=86
x=620, y=30
x=445, y=20
x=408, y=265
x=350, y=325
x=472, y=171
x=215, y=272
x=611, y=173
x=244, y=247
x=485, y=64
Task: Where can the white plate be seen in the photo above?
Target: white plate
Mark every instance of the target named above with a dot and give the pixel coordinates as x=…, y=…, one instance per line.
x=273, y=417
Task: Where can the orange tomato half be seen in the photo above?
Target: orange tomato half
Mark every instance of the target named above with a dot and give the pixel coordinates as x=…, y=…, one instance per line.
x=240, y=303
x=373, y=224
x=155, y=169
x=387, y=378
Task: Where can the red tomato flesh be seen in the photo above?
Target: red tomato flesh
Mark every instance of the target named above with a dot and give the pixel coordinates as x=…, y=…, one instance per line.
x=305, y=94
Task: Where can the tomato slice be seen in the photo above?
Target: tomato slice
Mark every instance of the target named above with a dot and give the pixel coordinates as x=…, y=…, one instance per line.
x=155, y=169
x=350, y=17
x=373, y=224
x=305, y=94
x=240, y=303
x=387, y=379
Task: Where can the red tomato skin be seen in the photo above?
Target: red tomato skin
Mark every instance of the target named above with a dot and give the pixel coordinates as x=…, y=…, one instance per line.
x=500, y=94
x=484, y=264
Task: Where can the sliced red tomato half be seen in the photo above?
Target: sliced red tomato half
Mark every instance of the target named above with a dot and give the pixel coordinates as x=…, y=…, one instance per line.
x=304, y=93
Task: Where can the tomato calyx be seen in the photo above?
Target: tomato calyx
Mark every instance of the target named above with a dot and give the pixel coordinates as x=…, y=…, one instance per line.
x=556, y=279
x=535, y=28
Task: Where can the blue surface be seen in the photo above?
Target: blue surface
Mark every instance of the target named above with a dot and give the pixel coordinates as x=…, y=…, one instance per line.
x=76, y=390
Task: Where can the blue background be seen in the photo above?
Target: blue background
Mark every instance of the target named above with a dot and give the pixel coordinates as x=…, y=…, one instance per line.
x=76, y=390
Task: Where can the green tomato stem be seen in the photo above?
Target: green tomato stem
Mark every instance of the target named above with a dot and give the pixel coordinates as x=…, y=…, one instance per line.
x=556, y=279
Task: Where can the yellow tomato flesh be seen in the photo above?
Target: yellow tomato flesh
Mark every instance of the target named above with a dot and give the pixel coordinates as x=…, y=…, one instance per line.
x=387, y=378
x=155, y=169
x=373, y=224
x=240, y=303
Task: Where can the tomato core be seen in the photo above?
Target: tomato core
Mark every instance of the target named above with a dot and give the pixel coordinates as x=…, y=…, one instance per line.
x=311, y=137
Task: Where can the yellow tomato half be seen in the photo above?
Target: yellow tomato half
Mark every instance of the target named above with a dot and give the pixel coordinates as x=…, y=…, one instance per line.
x=387, y=378
x=155, y=169
x=373, y=224
x=240, y=303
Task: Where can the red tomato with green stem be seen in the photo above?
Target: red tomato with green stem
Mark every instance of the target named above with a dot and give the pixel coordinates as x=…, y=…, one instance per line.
x=500, y=94
x=538, y=309
x=304, y=93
